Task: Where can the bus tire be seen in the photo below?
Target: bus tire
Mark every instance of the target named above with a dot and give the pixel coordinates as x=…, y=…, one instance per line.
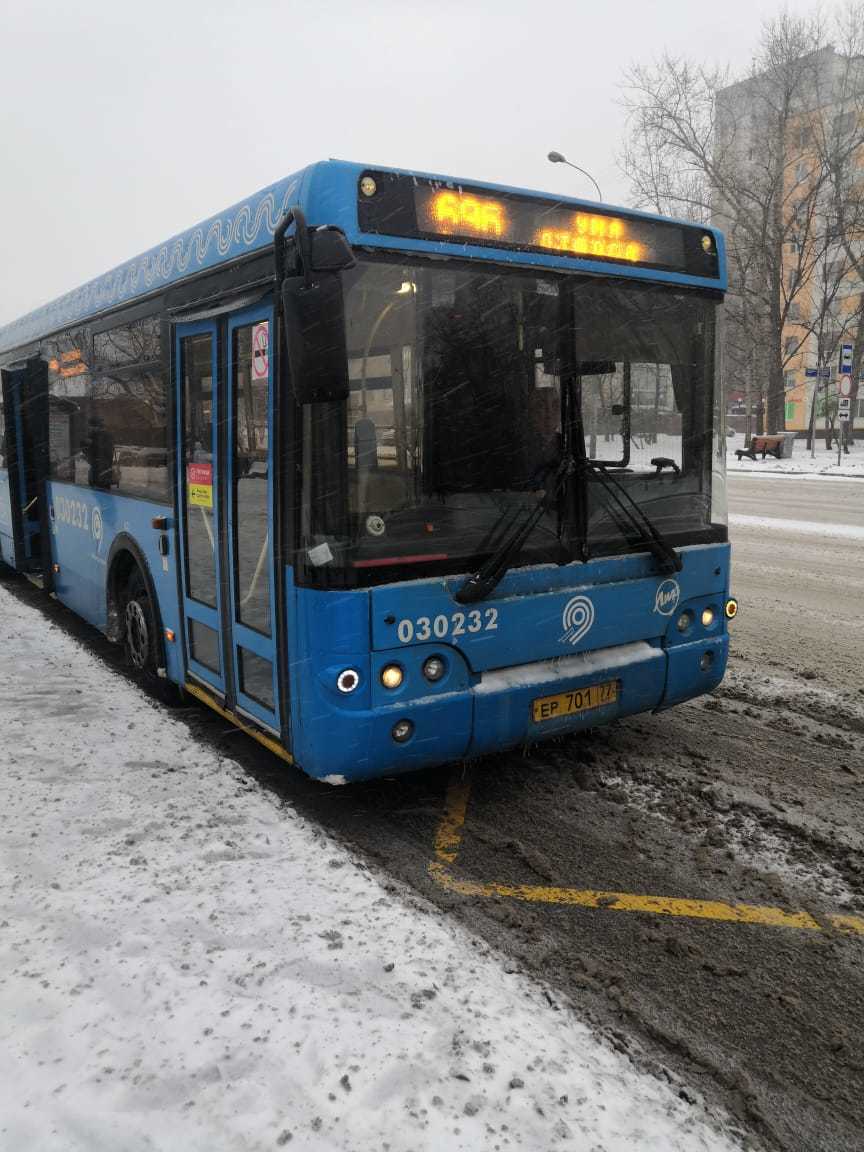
x=140, y=632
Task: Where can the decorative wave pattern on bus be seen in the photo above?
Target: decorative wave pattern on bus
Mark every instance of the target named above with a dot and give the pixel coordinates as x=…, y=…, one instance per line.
x=240, y=229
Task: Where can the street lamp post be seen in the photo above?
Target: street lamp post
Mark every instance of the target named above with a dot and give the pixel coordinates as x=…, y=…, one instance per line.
x=557, y=158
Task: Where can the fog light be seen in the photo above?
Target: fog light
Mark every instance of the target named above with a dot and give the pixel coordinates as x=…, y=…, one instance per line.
x=684, y=621
x=402, y=730
x=706, y=660
x=731, y=609
x=347, y=680
x=434, y=668
x=392, y=676
x=707, y=617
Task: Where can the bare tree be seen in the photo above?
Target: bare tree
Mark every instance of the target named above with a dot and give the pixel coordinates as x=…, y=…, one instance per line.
x=762, y=158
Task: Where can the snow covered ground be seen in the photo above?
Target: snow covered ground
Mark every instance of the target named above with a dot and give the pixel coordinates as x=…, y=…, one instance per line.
x=799, y=527
x=186, y=963
x=801, y=464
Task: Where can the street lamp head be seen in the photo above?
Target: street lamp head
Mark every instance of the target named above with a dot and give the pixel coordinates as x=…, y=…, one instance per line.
x=556, y=158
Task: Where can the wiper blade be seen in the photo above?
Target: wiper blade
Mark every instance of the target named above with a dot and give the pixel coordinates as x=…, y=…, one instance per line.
x=487, y=578
x=668, y=559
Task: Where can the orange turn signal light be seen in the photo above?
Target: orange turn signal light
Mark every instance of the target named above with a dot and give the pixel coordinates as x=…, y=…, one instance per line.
x=731, y=609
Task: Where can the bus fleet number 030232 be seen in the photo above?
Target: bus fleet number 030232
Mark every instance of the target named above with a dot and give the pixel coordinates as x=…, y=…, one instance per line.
x=453, y=626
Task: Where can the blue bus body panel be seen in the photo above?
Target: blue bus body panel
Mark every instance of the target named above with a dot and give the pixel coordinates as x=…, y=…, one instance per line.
x=544, y=631
x=7, y=544
x=327, y=192
x=84, y=524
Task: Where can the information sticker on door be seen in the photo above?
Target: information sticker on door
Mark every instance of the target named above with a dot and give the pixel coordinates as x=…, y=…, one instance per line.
x=199, y=485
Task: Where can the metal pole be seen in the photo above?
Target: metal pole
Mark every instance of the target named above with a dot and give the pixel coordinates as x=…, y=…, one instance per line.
x=557, y=158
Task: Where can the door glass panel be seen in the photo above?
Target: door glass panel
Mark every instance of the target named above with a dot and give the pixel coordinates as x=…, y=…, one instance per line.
x=250, y=359
x=256, y=677
x=199, y=479
x=204, y=645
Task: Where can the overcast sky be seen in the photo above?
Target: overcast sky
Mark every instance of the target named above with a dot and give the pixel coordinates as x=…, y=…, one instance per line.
x=122, y=123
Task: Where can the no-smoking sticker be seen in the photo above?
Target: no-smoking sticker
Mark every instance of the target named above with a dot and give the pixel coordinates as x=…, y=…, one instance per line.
x=261, y=351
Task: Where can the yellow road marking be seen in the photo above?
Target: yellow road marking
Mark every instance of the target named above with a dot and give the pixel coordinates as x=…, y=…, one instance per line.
x=448, y=836
x=448, y=839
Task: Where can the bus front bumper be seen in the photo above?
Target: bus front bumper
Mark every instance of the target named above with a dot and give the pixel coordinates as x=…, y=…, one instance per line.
x=501, y=710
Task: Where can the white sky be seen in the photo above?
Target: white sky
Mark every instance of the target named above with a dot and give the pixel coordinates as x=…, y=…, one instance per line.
x=123, y=123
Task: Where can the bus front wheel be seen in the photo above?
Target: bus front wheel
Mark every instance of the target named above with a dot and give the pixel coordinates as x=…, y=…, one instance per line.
x=141, y=635
x=139, y=625
x=141, y=638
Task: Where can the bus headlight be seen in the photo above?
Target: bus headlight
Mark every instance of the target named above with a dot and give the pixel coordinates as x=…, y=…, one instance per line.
x=434, y=668
x=684, y=621
x=392, y=676
x=707, y=617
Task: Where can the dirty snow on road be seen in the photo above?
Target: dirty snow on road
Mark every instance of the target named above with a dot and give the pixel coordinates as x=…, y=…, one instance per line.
x=187, y=963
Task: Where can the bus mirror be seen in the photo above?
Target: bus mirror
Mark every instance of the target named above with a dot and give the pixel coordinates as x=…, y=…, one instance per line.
x=330, y=251
x=315, y=336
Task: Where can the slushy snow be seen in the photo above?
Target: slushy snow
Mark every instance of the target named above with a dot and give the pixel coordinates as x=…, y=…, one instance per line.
x=188, y=964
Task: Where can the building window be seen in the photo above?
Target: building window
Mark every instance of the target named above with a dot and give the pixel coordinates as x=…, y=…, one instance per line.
x=790, y=345
x=790, y=411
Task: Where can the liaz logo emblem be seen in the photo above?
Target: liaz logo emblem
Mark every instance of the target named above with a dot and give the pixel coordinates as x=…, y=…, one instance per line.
x=577, y=618
x=668, y=595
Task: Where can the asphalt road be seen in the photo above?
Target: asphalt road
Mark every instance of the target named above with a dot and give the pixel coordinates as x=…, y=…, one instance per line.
x=615, y=865
x=798, y=498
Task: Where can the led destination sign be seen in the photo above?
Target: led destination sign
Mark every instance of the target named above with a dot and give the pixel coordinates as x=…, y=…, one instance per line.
x=581, y=233
x=405, y=206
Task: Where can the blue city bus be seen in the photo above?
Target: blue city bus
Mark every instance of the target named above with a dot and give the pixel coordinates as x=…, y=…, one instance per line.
x=390, y=469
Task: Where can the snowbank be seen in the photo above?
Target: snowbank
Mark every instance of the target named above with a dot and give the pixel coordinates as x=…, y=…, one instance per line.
x=184, y=964
x=799, y=527
x=824, y=464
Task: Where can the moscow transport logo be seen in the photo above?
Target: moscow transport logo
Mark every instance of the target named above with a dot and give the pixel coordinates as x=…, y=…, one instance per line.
x=577, y=618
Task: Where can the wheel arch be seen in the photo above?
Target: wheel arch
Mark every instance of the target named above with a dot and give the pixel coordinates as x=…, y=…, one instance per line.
x=125, y=555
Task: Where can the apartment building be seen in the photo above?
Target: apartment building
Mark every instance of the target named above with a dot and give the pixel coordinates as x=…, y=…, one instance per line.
x=795, y=273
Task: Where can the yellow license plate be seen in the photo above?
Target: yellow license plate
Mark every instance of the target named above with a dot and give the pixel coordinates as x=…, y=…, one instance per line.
x=571, y=703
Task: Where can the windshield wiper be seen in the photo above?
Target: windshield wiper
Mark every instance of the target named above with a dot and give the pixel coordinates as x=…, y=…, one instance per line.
x=487, y=578
x=668, y=559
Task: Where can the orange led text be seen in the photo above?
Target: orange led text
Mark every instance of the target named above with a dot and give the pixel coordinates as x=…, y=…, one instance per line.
x=588, y=235
x=455, y=212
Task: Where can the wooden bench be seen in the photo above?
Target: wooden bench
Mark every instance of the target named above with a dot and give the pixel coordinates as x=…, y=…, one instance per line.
x=763, y=444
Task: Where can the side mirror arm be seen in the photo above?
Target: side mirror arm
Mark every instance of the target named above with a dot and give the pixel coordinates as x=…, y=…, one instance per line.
x=292, y=216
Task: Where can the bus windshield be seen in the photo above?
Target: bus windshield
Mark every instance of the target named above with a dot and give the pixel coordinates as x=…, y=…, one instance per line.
x=453, y=423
